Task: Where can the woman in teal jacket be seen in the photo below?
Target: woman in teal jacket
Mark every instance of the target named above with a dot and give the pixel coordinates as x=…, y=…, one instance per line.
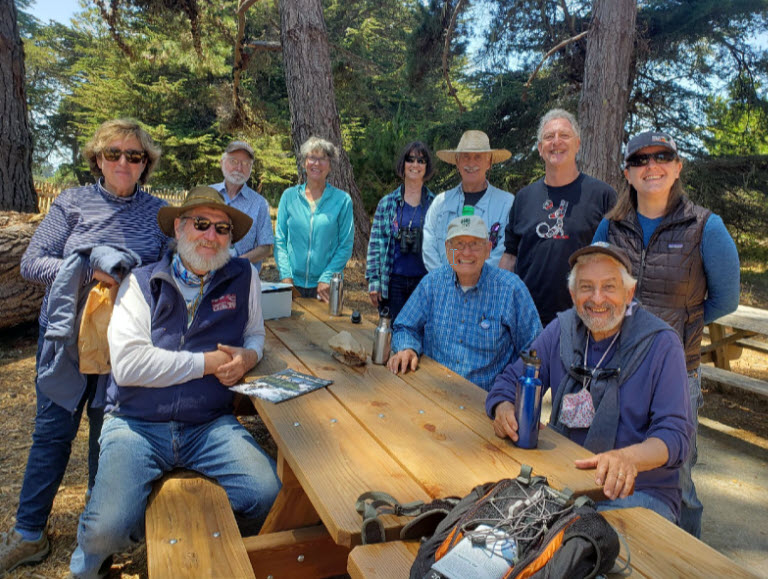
x=315, y=227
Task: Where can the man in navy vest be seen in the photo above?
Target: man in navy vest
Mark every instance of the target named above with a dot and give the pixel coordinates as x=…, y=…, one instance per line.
x=182, y=330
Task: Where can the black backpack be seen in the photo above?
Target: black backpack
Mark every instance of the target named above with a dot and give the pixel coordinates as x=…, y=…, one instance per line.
x=536, y=531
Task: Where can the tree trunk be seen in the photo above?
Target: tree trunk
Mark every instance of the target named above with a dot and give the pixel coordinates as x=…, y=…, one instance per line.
x=19, y=299
x=605, y=93
x=17, y=192
x=312, y=100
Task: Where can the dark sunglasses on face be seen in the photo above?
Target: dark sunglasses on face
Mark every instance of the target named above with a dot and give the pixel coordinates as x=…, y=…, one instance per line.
x=661, y=157
x=414, y=159
x=131, y=155
x=203, y=224
x=580, y=372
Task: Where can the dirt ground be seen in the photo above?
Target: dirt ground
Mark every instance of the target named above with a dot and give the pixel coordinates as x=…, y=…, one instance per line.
x=748, y=415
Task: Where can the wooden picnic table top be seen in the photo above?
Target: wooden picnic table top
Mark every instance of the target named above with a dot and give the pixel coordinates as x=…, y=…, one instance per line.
x=417, y=437
x=746, y=318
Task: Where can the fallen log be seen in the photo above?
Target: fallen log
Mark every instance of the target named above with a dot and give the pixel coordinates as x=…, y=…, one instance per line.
x=19, y=299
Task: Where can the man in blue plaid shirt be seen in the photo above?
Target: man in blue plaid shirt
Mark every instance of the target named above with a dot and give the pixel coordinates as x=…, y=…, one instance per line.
x=472, y=317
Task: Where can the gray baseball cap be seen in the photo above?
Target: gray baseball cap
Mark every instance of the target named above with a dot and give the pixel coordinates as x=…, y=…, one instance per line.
x=470, y=225
x=649, y=139
x=240, y=146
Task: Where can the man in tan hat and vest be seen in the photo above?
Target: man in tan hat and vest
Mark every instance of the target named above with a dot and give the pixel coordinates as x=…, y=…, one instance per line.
x=182, y=331
x=473, y=196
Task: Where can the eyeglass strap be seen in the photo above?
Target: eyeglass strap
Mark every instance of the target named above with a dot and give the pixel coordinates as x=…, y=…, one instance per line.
x=587, y=381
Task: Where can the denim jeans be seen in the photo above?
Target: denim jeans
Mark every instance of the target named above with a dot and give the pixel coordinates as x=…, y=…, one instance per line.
x=55, y=429
x=400, y=289
x=135, y=453
x=307, y=292
x=639, y=499
x=691, y=508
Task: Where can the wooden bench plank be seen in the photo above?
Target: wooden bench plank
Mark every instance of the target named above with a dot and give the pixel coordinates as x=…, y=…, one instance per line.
x=391, y=560
x=191, y=530
x=733, y=380
x=432, y=445
x=309, y=553
x=657, y=548
x=324, y=444
x=447, y=390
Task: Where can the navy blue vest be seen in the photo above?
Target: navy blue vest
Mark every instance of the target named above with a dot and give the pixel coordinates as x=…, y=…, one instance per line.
x=221, y=318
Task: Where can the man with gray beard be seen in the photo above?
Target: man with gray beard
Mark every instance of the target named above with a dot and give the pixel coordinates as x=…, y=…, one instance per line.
x=619, y=385
x=182, y=331
x=236, y=165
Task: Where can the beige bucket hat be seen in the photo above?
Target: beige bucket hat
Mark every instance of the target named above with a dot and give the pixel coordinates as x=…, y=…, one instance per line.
x=202, y=196
x=474, y=142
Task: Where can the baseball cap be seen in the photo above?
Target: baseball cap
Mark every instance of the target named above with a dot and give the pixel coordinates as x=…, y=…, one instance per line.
x=470, y=225
x=605, y=248
x=240, y=146
x=649, y=139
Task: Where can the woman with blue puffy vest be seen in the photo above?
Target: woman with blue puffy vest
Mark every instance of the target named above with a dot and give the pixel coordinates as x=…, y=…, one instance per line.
x=685, y=262
x=315, y=229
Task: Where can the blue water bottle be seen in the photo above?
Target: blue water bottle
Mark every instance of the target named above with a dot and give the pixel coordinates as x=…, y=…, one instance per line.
x=528, y=402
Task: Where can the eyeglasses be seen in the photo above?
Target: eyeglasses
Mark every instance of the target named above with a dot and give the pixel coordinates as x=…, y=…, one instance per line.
x=581, y=372
x=318, y=160
x=232, y=162
x=131, y=155
x=203, y=224
x=414, y=159
x=471, y=245
x=661, y=158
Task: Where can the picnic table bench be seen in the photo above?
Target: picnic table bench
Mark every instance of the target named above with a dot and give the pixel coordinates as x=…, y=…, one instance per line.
x=728, y=335
x=417, y=436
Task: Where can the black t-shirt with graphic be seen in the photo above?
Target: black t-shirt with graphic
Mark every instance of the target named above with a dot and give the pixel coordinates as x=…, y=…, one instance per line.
x=546, y=225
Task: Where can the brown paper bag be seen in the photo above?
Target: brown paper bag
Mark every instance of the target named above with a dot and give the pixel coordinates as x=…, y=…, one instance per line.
x=92, y=341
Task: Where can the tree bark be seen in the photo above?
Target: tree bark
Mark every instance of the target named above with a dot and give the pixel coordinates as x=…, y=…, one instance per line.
x=312, y=100
x=20, y=300
x=17, y=192
x=605, y=93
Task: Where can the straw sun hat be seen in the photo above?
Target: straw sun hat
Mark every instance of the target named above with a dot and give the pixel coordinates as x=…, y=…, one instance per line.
x=474, y=142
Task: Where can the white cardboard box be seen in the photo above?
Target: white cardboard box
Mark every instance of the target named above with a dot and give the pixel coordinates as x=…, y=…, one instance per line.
x=276, y=300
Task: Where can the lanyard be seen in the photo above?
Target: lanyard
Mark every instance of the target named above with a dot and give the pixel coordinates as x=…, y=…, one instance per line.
x=588, y=381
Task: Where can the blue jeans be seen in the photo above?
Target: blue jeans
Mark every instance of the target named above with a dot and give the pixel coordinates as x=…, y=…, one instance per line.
x=400, y=289
x=55, y=429
x=639, y=499
x=691, y=508
x=135, y=453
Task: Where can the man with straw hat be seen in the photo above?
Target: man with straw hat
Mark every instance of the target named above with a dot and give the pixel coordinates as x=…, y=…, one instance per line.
x=182, y=331
x=473, y=196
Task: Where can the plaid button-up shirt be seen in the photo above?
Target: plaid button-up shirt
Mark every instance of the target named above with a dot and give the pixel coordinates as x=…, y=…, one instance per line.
x=474, y=333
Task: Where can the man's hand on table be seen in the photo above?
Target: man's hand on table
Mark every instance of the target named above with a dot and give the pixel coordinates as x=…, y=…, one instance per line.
x=240, y=361
x=505, y=423
x=403, y=361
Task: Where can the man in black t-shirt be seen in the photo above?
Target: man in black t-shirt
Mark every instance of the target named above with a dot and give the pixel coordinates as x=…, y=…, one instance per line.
x=553, y=217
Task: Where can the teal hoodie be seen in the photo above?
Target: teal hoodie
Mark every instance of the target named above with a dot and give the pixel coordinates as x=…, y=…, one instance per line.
x=309, y=247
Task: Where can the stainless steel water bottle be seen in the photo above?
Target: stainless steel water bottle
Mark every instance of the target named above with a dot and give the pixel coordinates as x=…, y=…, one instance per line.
x=336, y=295
x=382, y=338
x=528, y=402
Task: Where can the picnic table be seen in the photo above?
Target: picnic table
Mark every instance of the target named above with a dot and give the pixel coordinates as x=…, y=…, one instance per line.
x=417, y=436
x=728, y=335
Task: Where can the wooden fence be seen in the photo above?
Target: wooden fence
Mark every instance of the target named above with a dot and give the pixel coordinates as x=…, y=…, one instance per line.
x=47, y=192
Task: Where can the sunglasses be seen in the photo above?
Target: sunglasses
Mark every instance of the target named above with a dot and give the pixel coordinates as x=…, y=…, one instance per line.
x=661, y=158
x=131, y=155
x=493, y=237
x=203, y=224
x=580, y=372
x=414, y=159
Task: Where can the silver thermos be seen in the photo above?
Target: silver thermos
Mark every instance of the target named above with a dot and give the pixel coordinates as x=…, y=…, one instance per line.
x=336, y=295
x=382, y=338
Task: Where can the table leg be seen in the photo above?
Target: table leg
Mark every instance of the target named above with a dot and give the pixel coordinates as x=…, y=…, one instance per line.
x=720, y=353
x=292, y=508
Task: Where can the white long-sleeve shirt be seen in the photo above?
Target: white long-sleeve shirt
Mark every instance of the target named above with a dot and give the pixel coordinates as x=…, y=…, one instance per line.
x=137, y=362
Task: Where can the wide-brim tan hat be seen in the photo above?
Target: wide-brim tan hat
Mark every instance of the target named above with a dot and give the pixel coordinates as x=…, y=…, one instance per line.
x=202, y=196
x=474, y=142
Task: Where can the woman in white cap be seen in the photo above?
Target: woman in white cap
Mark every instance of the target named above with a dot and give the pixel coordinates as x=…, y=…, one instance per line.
x=685, y=261
x=473, y=196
